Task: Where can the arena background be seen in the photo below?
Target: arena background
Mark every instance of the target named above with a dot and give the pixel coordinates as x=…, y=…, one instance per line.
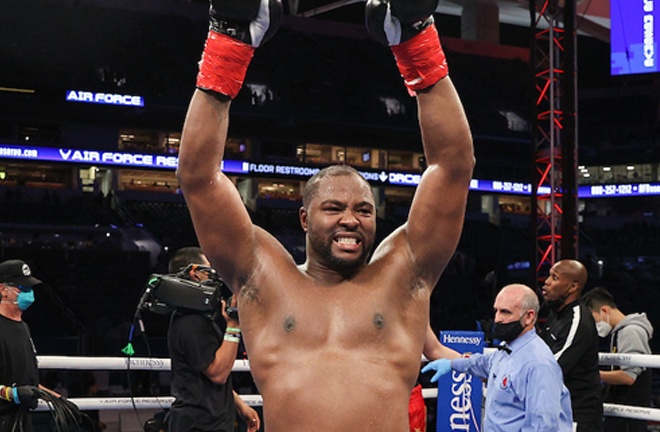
x=320, y=92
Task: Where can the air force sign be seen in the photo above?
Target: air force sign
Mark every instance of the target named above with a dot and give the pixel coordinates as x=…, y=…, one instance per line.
x=104, y=98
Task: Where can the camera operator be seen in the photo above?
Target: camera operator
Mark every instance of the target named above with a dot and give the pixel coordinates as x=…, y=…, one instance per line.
x=203, y=350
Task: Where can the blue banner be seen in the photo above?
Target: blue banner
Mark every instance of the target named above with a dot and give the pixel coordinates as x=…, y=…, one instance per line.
x=460, y=394
x=635, y=26
x=241, y=167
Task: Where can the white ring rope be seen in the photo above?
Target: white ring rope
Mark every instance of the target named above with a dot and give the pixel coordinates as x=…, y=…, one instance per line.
x=633, y=412
x=126, y=403
x=151, y=363
x=643, y=360
x=164, y=364
x=118, y=363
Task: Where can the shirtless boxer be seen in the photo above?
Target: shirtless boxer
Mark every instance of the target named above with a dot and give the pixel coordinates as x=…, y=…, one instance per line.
x=335, y=343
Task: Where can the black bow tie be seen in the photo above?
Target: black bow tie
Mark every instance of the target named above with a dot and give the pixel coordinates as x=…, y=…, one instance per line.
x=504, y=347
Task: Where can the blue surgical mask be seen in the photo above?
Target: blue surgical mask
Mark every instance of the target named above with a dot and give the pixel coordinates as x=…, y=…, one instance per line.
x=25, y=299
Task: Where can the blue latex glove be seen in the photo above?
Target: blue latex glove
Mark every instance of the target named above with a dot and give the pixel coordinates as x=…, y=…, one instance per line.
x=441, y=366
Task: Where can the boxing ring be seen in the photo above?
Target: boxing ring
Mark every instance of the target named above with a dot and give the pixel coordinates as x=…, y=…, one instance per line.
x=164, y=365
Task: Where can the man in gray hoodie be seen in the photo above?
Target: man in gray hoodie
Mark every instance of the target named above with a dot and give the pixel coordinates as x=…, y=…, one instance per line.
x=630, y=334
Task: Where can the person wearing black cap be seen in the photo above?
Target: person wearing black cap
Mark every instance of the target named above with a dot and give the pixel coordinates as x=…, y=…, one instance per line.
x=20, y=390
x=19, y=376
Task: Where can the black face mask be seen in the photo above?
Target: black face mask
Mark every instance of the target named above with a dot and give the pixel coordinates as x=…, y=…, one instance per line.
x=507, y=332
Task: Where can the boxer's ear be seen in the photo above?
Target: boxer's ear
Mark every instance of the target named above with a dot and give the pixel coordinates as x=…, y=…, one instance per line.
x=302, y=213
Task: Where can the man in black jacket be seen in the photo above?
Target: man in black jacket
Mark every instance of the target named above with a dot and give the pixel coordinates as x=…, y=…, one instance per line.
x=570, y=332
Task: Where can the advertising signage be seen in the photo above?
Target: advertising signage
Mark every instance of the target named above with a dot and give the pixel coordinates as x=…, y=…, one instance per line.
x=299, y=172
x=635, y=28
x=104, y=98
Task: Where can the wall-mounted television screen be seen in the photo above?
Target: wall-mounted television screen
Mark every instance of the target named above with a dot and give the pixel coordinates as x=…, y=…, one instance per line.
x=634, y=36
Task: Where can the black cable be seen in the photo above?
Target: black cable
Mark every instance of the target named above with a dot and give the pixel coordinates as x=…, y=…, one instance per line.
x=149, y=354
x=128, y=367
x=20, y=420
x=129, y=351
x=66, y=415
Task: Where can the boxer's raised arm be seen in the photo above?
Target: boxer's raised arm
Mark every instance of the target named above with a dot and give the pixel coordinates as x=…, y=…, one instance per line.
x=223, y=226
x=436, y=216
x=437, y=212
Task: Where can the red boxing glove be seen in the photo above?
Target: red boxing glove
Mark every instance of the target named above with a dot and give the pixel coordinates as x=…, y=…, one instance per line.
x=224, y=64
x=236, y=28
x=421, y=60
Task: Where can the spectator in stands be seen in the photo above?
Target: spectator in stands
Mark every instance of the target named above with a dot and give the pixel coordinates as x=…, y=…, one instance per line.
x=629, y=334
x=203, y=350
x=570, y=333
